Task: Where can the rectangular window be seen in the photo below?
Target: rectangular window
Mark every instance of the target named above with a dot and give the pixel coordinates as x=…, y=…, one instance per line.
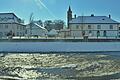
x=6, y=26
x=77, y=26
x=20, y=34
x=90, y=32
x=5, y=33
x=111, y=26
x=1, y=34
x=104, y=33
x=89, y=26
x=83, y=33
x=23, y=28
x=119, y=28
x=17, y=33
x=98, y=33
x=98, y=26
x=1, y=26
x=17, y=27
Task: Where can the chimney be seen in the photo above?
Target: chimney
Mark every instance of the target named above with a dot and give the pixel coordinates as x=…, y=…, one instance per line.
x=109, y=16
x=75, y=16
x=92, y=15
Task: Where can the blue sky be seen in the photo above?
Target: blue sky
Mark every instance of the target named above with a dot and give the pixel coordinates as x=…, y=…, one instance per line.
x=56, y=9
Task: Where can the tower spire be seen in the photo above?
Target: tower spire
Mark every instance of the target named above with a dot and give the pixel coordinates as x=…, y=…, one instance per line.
x=69, y=16
x=69, y=8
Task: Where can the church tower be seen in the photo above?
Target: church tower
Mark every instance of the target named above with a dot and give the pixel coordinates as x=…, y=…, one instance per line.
x=69, y=16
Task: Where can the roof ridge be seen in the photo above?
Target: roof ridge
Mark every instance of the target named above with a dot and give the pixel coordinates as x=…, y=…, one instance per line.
x=93, y=19
x=92, y=16
x=10, y=13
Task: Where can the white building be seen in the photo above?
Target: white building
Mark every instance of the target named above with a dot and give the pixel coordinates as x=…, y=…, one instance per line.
x=92, y=26
x=10, y=23
x=52, y=33
x=36, y=30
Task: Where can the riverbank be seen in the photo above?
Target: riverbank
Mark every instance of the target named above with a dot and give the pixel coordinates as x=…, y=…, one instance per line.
x=57, y=39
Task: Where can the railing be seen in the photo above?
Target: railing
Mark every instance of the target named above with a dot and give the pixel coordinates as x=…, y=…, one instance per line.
x=33, y=37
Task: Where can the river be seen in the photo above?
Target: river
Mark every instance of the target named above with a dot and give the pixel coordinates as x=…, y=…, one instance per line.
x=87, y=66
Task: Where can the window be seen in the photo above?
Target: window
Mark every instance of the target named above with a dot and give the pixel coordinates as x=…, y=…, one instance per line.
x=111, y=26
x=77, y=26
x=24, y=28
x=26, y=32
x=21, y=28
x=98, y=26
x=83, y=33
x=104, y=33
x=90, y=32
x=119, y=28
x=1, y=26
x=98, y=33
x=89, y=26
x=6, y=26
x=20, y=33
x=17, y=33
x=6, y=33
x=17, y=27
x=1, y=34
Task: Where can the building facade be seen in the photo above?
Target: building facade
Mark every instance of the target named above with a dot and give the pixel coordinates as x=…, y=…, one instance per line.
x=92, y=26
x=11, y=24
x=35, y=30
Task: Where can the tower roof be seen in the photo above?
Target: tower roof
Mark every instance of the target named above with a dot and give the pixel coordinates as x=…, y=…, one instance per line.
x=69, y=9
x=93, y=20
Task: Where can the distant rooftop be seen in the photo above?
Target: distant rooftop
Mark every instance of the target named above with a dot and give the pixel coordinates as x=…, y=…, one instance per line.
x=93, y=19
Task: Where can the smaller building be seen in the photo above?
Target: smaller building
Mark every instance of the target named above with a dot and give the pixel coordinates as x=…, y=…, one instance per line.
x=35, y=30
x=53, y=33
